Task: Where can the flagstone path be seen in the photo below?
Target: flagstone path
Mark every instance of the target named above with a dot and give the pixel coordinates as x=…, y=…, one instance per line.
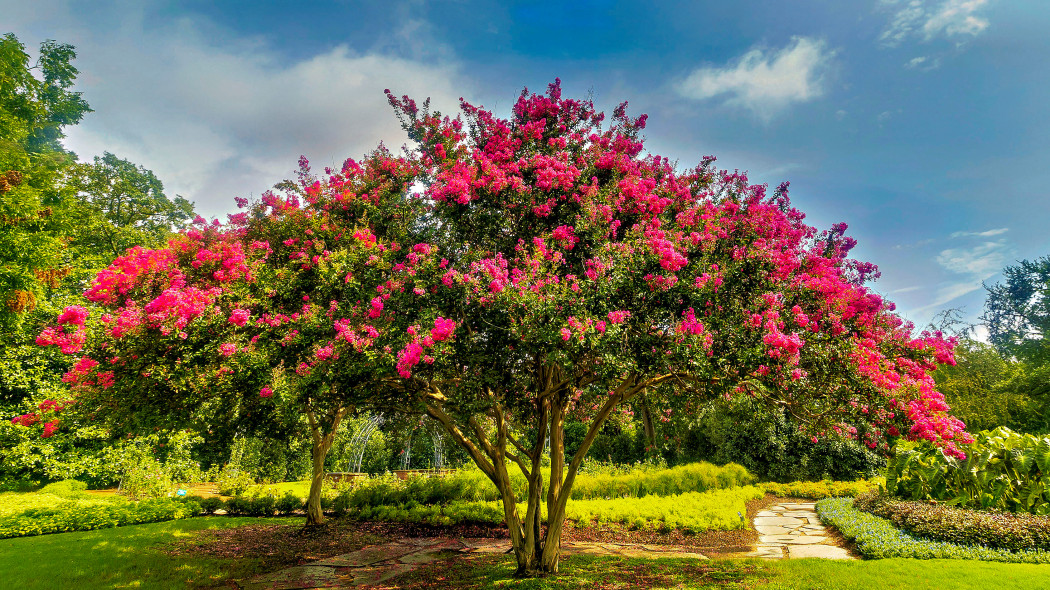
x=792, y=529
x=786, y=530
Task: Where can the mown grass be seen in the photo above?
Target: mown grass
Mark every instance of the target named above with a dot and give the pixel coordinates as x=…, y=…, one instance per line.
x=125, y=557
x=908, y=574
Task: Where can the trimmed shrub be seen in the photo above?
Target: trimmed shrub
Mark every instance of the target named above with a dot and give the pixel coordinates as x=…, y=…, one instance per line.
x=818, y=489
x=211, y=504
x=877, y=538
x=939, y=522
x=73, y=516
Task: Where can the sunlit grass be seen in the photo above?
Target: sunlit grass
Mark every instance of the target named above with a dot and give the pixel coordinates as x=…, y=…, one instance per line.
x=125, y=557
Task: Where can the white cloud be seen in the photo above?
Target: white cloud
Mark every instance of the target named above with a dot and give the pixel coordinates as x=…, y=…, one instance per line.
x=981, y=234
x=975, y=265
x=765, y=82
x=217, y=116
x=982, y=261
x=929, y=20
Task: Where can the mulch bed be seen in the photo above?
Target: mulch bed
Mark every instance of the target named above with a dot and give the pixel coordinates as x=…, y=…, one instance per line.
x=278, y=546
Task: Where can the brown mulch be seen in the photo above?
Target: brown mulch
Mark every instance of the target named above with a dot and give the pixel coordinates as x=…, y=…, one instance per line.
x=284, y=545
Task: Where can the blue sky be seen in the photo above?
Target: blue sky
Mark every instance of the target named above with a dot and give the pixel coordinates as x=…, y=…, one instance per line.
x=922, y=124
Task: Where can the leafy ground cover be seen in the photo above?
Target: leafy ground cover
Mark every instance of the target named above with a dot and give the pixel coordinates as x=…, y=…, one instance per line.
x=877, y=538
x=940, y=522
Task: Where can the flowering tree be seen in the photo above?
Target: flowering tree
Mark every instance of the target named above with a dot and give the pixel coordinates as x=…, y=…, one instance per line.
x=275, y=311
x=549, y=270
x=585, y=274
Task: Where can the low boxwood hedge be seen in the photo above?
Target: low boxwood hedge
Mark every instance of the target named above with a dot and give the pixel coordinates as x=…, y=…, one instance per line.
x=940, y=522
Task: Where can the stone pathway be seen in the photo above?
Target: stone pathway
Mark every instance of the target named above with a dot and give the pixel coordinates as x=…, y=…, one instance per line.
x=793, y=530
x=378, y=563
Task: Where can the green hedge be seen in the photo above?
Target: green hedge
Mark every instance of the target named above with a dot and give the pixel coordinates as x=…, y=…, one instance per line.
x=877, y=538
x=818, y=489
x=939, y=522
x=74, y=516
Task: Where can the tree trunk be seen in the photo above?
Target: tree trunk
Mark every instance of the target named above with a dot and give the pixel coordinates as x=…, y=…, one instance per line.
x=314, y=514
x=322, y=435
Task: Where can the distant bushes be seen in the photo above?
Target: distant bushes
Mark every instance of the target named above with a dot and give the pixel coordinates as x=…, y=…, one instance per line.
x=75, y=516
x=818, y=489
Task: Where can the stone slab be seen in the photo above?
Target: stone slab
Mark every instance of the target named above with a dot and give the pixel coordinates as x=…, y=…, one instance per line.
x=818, y=551
x=778, y=520
x=792, y=540
x=768, y=529
x=368, y=556
x=380, y=573
x=296, y=578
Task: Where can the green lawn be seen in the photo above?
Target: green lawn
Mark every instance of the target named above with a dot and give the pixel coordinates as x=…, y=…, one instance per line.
x=910, y=574
x=124, y=557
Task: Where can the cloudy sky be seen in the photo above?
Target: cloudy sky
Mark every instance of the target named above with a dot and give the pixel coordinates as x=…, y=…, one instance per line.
x=922, y=124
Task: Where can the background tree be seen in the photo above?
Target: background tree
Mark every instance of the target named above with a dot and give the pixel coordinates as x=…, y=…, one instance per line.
x=1017, y=312
x=121, y=205
x=36, y=103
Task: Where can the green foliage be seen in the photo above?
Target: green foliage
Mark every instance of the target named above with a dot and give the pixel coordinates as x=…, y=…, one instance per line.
x=146, y=478
x=70, y=489
x=471, y=485
x=74, y=516
x=694, y=477
x=818, y=489
x=212, y=503
x=691, y=512
x=770, y=445
x=34, y=109
x=877, y=538
x=987, y=390
x=940, y=522
x=121, y=205
x=232, y=481
x=83, y=452
x=1003, y=470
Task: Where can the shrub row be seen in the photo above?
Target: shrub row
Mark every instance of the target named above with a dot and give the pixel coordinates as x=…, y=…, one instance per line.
x=1003, y=470
x=691, y=512
x=939, y=522
x=877, y=538
x=471, y=485
x=75, y=516
x=693, y=477
x=818, y=489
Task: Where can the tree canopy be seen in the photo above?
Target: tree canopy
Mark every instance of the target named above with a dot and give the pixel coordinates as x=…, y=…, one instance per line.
x=1018, y=311
x=36, y=103
x=548, y=269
